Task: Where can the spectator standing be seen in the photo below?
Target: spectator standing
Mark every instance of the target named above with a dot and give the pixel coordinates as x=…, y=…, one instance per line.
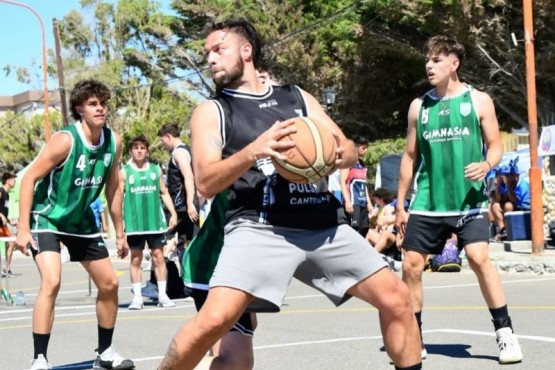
x=355, y=190
x=8, y=183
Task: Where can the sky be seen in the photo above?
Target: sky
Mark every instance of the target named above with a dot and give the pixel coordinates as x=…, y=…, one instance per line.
x=21, y=40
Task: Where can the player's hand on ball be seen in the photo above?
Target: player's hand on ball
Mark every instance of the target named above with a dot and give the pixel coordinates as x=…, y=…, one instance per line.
x=270, y=143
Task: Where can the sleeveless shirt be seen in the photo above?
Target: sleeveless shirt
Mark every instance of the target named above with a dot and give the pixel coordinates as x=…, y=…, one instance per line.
x=261, y=194
x=62, y=199
x=4, y=202
x=202, y=253
x=142, y=206
x=176, y=182
x=356, y=181
x=449, y=138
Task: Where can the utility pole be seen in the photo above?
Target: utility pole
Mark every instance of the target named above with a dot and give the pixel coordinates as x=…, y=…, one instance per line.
x=60, y=68
x=536, y=203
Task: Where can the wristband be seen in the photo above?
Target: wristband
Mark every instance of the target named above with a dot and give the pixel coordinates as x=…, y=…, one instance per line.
x=489, y=165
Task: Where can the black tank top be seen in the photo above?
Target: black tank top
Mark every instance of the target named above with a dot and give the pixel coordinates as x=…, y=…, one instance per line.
x=261, y=194
x=4, y=202
x=176, y=182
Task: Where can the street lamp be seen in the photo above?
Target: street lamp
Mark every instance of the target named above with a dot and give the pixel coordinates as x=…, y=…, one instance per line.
x=328, y=96
x=44, y=67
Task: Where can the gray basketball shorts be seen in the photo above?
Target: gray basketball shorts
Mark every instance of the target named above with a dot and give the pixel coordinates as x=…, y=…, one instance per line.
x=262, y=259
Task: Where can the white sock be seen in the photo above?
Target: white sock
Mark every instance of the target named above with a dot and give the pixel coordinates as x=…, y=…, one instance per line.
x=161, y=288
x=136, y=289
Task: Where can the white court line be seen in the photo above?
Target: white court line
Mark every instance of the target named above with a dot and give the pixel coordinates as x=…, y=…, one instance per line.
x=491, y=334
x=91, y=311
x=476, y=284
x=352, y=339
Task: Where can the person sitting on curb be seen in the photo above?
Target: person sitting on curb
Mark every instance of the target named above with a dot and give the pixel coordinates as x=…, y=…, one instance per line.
x=512, y=194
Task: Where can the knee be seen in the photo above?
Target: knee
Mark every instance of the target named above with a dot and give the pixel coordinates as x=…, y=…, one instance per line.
x=397, y=300
x=412, y=271
x=136, y=258
x=214, y=322
x=478, y=262
x=158, y=257
x=50, y=284
x=109, y=286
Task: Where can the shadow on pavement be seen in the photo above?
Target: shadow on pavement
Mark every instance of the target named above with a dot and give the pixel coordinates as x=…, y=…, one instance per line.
x=77, y=366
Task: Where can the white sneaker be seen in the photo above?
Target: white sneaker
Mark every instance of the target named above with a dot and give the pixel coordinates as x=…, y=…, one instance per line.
x=110, y=359
x=165, y=302
x=40, y=363
x=137, y=303
x=509, y=349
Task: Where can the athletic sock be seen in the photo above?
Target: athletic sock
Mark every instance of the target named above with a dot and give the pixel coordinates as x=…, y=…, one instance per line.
x=501, y=318
x=136, y=289
x=104, y=338
x=40, y=342
x=413, y=367
x=162, y=288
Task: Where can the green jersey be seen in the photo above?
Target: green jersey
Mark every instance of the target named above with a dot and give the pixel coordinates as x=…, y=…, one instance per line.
x=449, y=137
x=202, y=253
x=142, y=207
x=62, y=199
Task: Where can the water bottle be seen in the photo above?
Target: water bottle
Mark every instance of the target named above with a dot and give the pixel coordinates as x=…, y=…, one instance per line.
x=20, y=298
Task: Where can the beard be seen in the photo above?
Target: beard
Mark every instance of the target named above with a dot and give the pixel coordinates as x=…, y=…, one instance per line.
x=230, y=77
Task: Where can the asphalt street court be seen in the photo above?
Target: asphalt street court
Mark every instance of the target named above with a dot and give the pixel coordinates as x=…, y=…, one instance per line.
x=309, y=333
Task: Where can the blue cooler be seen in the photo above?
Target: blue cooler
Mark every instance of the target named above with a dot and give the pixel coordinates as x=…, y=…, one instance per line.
x=517, y=225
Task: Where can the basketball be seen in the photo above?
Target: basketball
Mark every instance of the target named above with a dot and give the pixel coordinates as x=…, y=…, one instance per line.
x=313, y=155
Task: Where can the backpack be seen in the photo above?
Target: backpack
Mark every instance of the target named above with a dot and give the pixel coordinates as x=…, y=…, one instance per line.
x=175, y=288
x=448, y=260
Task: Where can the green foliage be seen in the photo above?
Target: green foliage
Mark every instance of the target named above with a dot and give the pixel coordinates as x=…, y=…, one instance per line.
x=370, y=51
x=22, y=138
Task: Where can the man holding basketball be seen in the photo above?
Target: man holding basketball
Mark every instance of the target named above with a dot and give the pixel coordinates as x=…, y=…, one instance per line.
x=237, y=133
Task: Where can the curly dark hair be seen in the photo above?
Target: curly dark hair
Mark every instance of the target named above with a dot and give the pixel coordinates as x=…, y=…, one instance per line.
x=84, y=90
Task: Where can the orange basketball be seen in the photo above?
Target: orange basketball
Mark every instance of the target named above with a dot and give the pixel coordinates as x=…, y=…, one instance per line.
x=313, y=155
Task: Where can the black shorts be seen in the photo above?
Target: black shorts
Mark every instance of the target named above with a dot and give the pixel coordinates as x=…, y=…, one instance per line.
x=428, y=234
x=152, y=240
x=79, y=248
x=185, y=228
x=243, y=325
x=359, y=218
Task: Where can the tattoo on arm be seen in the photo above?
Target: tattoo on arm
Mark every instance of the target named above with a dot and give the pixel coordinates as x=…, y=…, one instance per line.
x=215, y=141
